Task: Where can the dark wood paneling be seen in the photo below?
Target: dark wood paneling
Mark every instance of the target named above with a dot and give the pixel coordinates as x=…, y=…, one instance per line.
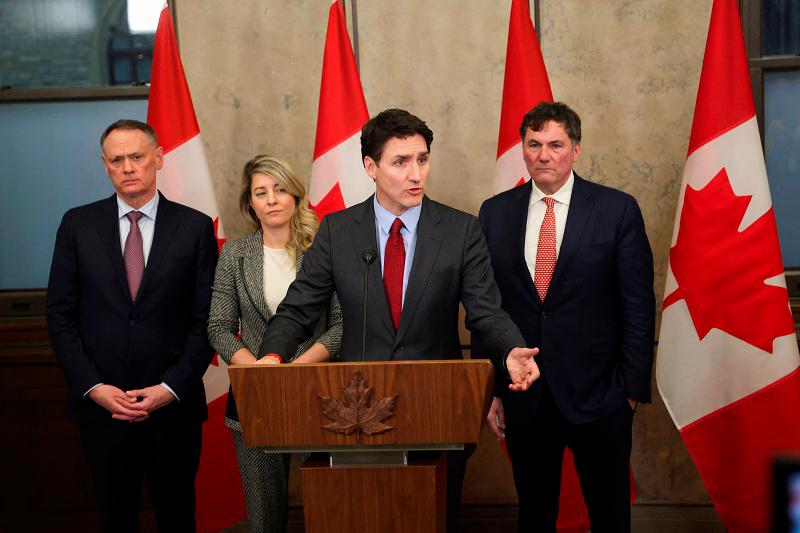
x=46, y=484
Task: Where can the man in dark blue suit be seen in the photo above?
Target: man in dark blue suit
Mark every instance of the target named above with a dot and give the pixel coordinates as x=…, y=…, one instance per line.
x=575, y=271
x=127, y=307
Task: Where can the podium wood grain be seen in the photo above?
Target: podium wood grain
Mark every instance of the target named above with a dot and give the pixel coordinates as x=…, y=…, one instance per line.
x=438, y=401
x=377, y=499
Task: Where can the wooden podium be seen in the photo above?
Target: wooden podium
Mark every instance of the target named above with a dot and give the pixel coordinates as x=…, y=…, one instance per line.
x=368, y=416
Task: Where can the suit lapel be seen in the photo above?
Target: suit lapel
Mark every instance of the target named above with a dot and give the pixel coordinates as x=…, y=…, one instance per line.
x=429, y=240
x=364, y=237
x=580, y=209
x=166, y=226
x=108, y=228
x=516, y=227
x=253, y=273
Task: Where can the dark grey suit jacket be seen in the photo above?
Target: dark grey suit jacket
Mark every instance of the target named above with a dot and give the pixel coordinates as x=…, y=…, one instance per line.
x=451, y=266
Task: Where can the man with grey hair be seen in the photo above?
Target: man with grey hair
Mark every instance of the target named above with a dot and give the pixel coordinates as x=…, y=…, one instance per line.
x=127, y=306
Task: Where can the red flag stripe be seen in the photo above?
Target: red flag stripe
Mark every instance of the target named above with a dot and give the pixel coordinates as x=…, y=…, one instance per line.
x=340, y=88
x=217, y=510
x=724, y=98
x=526, y=82
x=753, y=430
x=169, y=111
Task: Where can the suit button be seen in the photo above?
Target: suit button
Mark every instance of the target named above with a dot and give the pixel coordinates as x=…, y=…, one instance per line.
x=398, y=348
x=544, y=315
x=126, y=360
x=132, y=323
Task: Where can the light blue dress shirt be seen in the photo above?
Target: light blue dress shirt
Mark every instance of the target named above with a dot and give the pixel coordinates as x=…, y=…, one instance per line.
x=383, y=223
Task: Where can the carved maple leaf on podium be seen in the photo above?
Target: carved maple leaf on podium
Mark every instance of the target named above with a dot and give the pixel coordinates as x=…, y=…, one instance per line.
x=354, y=414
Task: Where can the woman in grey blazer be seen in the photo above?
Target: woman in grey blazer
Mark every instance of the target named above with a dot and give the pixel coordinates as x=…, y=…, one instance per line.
x=252, y=276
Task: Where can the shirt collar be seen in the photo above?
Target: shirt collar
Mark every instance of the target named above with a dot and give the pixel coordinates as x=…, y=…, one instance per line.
x=385, y=218
x=149, y=209
x=562, y=195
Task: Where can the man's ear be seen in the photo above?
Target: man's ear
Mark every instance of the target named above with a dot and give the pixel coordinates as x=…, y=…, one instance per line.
x=106, y=164
x=370, y=166
x=159, y=157
x=577, y=152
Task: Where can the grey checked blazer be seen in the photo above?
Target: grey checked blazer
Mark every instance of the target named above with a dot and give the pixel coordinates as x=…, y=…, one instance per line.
x=238, y=306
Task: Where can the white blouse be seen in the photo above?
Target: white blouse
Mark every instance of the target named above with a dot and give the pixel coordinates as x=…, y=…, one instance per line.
x=279, y=273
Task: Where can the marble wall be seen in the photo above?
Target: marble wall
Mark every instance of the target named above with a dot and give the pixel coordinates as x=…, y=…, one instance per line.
x=629, y=67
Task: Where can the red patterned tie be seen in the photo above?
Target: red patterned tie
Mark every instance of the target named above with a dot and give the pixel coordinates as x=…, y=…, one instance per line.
x=394, y=262
x=134, y=254
x=546, y=250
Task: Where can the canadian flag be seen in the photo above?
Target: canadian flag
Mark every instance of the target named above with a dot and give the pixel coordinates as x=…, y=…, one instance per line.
x=338, y=178
x=727, y=364
x=525, y=85
x=185, y=178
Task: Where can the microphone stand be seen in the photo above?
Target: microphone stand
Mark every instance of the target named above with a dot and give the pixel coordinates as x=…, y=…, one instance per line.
x=368, y=256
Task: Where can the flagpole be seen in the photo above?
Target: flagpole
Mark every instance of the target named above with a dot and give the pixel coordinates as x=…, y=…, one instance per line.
x=355, y=34
x=536, y=21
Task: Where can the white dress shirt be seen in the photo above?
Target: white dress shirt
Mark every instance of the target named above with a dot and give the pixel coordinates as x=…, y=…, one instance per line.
x=536, y=210
x=147, y=224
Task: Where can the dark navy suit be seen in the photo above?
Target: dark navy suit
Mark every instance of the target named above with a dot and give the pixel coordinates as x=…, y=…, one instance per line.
x=595, y=331
x=101, y=335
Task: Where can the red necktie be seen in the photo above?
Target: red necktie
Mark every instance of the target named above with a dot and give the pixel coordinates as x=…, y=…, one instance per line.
x=394, y=262
x=546, y=251
x=134, y=254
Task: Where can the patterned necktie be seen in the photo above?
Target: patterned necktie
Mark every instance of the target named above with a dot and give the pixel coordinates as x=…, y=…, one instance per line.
x=546, y=250
x=134, y=254
x=394, y=262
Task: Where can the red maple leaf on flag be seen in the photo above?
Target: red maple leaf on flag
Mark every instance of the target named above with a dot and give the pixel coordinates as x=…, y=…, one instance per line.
x=332, y=202
x=721, y=271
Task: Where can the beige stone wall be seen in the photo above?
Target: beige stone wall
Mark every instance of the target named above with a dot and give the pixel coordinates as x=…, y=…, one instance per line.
x=629, y=67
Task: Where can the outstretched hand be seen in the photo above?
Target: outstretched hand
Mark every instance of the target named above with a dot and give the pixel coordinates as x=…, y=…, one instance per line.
x=522, y=368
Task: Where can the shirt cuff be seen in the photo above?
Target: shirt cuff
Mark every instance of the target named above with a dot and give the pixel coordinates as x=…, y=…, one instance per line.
x=85, y=394
x=170, y=390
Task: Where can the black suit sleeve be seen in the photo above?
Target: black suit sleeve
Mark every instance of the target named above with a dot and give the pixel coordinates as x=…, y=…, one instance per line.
x=481, y=298
x=63, y=319
x=197, y=353
x=635, y=282
x=307, y=297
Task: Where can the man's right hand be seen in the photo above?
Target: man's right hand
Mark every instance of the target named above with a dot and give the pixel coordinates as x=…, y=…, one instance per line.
x=497, y=418
x=115, y=402
x=522, y=368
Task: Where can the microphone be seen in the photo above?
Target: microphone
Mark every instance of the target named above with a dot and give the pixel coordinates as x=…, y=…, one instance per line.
x=368, y=256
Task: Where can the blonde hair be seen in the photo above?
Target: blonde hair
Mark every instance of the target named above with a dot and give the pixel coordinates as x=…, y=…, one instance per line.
x=304, y=222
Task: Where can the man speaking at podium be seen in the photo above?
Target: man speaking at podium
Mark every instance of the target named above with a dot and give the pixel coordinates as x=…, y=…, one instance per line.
x=430, y=257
